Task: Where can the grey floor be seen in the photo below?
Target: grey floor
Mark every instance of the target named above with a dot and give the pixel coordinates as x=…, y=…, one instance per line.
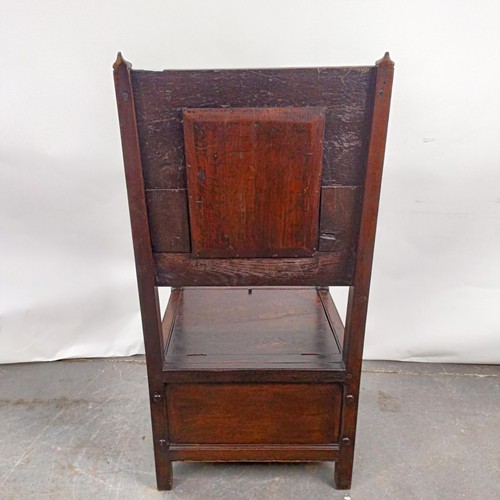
x=81, y=430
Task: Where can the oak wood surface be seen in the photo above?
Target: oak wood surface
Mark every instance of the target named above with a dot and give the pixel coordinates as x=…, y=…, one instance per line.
x=253, y=180
x=148, y=293
x=160, y=97
x=322, y=269
x=254, y=453
x=269, y=335
x=333, y=316
x=271, y=413
x=168, y=220
x=357, y=306
x=251, y=327
x=339, y=219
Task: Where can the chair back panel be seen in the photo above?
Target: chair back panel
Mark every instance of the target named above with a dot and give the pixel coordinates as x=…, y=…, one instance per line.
x=218, y=190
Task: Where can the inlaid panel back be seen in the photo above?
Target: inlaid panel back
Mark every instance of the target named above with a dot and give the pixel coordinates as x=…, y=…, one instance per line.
x=254, y=177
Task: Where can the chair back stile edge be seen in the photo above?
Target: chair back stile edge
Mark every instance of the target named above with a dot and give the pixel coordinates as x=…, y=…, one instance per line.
x=148, y=292
x=357, y=305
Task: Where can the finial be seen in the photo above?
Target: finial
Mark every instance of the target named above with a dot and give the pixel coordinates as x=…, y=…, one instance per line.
x=385, y=61
x=119, y=61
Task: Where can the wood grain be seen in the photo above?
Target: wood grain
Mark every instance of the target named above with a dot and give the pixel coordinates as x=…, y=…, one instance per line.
x=339, y=220
x=229, y=335
x=168, y=220
x=251, y=329
x=273, y=373
x=357, y=304
x=148, y=293
x=168, y=321
x=322, y=269
x=160, y=97
x=254, y=414
x=254, y=453
x=253, y=180
x=333, y=316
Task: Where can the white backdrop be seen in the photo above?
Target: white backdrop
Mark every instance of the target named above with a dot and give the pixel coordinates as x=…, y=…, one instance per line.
x=67, y=273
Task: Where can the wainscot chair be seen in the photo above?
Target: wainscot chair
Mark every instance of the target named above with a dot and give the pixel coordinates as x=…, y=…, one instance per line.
x=250, y=193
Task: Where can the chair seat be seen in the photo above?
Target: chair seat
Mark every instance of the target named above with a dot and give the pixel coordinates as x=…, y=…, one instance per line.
x=253, y=374
x=252, y=332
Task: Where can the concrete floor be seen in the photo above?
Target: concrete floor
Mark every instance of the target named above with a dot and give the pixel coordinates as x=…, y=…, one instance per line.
x=81, y=430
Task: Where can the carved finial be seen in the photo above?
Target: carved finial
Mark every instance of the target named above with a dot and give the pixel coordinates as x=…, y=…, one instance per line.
x=119, y=61
x=385, y=61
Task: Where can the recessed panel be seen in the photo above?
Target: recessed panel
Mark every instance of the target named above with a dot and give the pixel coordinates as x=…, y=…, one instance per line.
x=340, y=216
x=168, y=220
x=254, y=413
x=253, y=178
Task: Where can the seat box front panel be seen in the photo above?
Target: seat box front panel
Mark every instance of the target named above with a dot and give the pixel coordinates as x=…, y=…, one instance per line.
x=254, y=413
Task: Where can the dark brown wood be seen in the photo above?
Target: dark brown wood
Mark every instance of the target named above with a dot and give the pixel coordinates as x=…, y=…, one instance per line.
x=218, y=329
x=250, y=327
x=312, y=373
x=323, y=269
x=253, y=373
x=339, y=221
x=254, y=413
x=253, y=180
x=346, y=92
x=248, y=370
x=255, y=453
x=333, y=316
x=148, y=294
x=358, y=293
x=168, y=220
x=167, y=324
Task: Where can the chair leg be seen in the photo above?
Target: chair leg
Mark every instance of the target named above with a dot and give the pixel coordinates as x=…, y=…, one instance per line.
x=163, y=464
x=164, y=476
x=343, y=473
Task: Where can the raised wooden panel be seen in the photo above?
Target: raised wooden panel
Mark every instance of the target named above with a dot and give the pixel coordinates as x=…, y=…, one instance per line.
x=271, y=413
x=160, y=97
x=254, y=180
x=322, y=269
x=168, y=220
x=340, y=218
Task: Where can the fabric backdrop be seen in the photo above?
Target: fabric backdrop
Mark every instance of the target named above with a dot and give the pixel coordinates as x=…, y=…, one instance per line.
x=67, y=273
